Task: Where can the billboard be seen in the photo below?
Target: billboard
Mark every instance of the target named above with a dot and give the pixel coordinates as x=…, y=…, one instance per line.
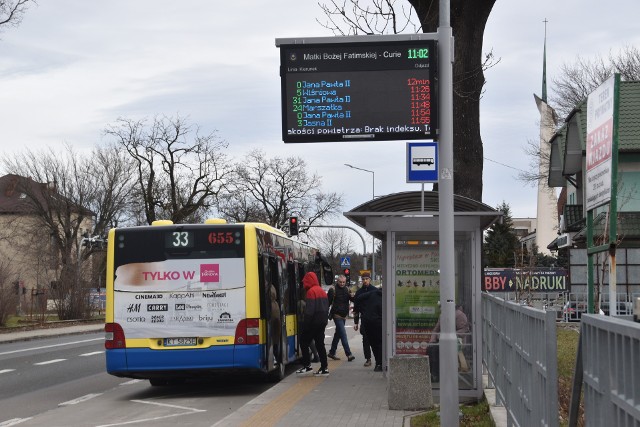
x=599, y=145
x=525, y=279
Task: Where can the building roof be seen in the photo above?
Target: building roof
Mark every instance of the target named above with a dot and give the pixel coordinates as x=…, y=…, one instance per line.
x=568, y=145
x=14, y=200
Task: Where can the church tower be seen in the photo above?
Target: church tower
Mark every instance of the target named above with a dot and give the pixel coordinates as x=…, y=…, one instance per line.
x=547, y=212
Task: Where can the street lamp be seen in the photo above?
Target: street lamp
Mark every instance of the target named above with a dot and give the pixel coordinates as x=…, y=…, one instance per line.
x=373, y=196
x=373, y=178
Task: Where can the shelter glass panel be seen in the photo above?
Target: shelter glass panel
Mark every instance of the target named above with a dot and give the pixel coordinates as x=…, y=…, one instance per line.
x=417, y=303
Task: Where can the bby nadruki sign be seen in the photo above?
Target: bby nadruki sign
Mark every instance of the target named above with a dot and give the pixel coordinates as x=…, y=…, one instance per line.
x=533, y=279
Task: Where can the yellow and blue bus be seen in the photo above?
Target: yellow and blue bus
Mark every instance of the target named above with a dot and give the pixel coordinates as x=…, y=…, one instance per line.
x=184, y=300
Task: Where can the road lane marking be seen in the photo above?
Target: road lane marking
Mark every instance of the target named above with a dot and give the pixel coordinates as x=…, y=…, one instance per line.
x=14, y=421
x=80, y=399
x=4, y=371
x=50, y=346
x=131, y=382
x=48, y=362
x=93, y=353
x=186, y=408
x=189, y=412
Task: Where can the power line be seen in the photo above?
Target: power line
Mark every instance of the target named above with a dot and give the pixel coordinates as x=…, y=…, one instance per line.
x=506, y=166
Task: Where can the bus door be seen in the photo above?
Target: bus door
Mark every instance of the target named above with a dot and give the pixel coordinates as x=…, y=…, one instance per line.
x=293, y=298
x=300, y=303
x=271, y=307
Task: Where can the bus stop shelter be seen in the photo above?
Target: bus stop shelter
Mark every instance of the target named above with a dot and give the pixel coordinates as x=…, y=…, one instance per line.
x=407, y=225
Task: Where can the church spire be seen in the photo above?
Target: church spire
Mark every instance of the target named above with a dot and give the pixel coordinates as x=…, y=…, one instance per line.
x=544, y=64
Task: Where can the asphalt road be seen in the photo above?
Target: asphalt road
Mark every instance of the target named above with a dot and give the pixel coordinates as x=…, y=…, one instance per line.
x=62, y=382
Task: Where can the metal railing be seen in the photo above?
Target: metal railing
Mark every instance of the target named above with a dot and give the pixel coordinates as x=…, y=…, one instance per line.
x=519, y=352
x=608, y=367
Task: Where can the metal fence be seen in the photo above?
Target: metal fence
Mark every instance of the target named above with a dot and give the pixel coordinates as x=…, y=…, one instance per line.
x=609, y=370
x=519, y=352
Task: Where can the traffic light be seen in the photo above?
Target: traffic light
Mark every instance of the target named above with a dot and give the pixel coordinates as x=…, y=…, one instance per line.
x=293, y=225
x=347, y=274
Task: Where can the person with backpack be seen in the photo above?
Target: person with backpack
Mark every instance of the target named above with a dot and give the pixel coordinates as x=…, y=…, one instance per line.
x=339, y=299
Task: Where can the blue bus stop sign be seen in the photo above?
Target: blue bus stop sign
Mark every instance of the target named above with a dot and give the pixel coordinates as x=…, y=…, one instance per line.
x=422, y=162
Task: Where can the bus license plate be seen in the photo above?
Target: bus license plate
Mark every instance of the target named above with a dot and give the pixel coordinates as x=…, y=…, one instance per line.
x=174, y=342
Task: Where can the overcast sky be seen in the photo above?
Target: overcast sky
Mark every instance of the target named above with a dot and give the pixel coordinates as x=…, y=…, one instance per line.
x=74, y=66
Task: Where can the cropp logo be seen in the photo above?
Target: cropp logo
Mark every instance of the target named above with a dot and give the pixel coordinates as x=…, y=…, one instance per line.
x=210, y=273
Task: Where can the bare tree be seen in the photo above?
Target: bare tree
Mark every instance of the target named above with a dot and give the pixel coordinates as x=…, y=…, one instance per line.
x=468, y=20
x=577, y=80
x=177, y=178
x=12, y=11
x=112, y=172
x=55, y=192
x=9, y=296
x=377, y=17
x=332, y=244
x=241, y=206
x=271, y=190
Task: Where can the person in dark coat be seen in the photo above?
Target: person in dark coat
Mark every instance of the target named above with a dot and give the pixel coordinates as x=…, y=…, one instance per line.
x=301, y=307
x=315, y=322
x=369, y=305
x=340, y=298
x=366, y=345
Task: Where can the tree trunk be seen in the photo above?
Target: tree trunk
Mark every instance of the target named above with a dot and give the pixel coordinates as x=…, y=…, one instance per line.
x=468, y=20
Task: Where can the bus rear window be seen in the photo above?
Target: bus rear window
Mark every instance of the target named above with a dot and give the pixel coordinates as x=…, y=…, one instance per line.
x=159, y=243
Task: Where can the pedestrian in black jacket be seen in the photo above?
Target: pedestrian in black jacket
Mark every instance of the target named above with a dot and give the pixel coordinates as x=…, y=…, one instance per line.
x=369, y=305
x=366, y=345
x=339, y=299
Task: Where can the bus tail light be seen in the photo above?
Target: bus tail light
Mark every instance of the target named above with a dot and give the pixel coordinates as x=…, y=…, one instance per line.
x=114, y=336
x=248, y=331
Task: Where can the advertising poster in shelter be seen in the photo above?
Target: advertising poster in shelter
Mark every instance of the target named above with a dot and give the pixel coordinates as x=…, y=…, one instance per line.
x=417, y=295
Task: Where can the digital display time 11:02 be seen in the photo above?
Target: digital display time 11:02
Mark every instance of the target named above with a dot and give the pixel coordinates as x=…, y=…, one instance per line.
x=359, y=91
x=418, y=53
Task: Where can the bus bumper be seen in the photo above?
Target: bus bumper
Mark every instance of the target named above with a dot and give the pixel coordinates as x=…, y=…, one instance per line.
x=146, y=363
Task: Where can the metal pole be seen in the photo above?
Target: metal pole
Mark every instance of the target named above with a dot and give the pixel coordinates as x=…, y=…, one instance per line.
x=364, y=245
x=448, y=341
x=373, y=239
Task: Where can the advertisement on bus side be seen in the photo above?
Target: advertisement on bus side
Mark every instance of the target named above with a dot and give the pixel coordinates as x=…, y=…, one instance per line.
x=170, y=298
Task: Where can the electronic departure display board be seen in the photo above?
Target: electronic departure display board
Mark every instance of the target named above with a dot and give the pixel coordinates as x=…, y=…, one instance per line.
x=359, y=91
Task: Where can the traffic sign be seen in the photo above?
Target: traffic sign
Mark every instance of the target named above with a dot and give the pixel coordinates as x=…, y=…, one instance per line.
x=422, y=162
x=345, y=262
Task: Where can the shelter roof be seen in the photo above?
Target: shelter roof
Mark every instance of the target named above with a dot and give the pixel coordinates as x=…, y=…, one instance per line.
x=418, y=203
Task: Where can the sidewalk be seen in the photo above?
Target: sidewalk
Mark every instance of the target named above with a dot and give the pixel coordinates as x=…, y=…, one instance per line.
x=351, y=395
x=50, y=332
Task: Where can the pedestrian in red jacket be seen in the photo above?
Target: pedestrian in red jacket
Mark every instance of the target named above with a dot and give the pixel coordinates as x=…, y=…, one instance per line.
x=315, y=322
